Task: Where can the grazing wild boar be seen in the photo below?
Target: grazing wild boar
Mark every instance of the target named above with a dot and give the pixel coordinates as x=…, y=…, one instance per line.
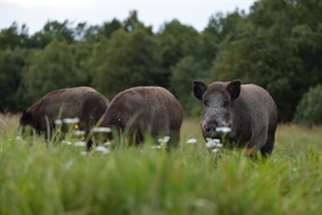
x=145, y=110
x=248, y=110
x=83, y=103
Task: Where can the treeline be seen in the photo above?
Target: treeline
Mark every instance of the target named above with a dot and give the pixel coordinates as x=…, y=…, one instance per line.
x=277, y=45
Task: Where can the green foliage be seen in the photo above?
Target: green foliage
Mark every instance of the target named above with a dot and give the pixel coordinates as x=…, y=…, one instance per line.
x=183, y=73
x=259, y=58
x=12, y=63
x=309, y=110
x=277, y=45
x=210, y=40
x=14, y=36
x=127, y=59
x=177, y=41
x=82, y=52
x=57, y=179
x=132, y=23
x=51, y=68
x=108, y=28
x=53, y=30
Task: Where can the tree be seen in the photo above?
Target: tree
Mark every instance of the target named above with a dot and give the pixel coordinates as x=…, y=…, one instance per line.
x=98, y=32
x=14, y=37
x=53, y=30
x=81, y=52
x=128, y=59
x=209, y=42
x=11, y=67
x=261, y=59
x=49, y=69
x=132, y=23
x=220, y=29
x=278, y=46
x=309, y=110
x=183, y=73
x=177, y=41
x=108, y=28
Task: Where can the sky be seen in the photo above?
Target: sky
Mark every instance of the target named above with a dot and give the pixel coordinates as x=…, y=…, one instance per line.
x=35, y=13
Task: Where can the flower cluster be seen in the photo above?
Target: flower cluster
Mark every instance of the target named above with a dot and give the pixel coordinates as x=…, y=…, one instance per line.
x=213, y=144
x=102, y=144
x=162, y=142
x=76, y=137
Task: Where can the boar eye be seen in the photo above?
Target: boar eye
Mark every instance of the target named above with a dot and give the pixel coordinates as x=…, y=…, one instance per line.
x=206, y=102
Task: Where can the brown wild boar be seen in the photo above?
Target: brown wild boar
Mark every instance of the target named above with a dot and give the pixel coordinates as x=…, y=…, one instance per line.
x=248, y=110
x=83, y=103
x=145, y=110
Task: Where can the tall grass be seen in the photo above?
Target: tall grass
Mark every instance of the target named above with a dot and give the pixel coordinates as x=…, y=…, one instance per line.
x=36, y=179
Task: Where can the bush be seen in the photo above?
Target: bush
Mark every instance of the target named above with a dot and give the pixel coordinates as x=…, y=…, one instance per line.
x=12, y=63
x=309, y=110
x=183, y=73
x=127, y=60
x=52, y=68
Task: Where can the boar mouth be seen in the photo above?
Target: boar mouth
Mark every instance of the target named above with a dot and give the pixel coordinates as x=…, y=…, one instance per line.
x=224, y=139
x=220, y=133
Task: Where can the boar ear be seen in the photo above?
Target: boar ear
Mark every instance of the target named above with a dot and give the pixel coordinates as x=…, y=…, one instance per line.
x=234, y=89
x=199, y=89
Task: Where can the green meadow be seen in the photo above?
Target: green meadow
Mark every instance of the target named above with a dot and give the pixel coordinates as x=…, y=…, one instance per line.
x=36, y=178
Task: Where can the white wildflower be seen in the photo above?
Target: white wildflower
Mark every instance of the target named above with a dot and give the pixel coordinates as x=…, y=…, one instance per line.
x=66, y=142
x=102, y=130
x=213, y=143
x=102, y=149
x=80, y=143
x=164, y=140
x=58, y=122
x=156, y=147
x=215, y=150
x=84, y=153
x=192, y=141
x=79, y=133
x=19, y=138
x=108, y=143
x=71, y=120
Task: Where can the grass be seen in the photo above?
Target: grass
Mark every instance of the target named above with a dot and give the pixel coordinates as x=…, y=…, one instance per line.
x=59, y=180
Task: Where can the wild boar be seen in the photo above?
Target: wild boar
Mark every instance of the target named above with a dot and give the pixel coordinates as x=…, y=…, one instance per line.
x=83, y=103
x=247, y=110
x=147, y=110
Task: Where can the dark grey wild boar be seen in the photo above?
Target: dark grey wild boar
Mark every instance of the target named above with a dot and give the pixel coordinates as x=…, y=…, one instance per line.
x=83, y=103
x=248, y=110
x=145, y=110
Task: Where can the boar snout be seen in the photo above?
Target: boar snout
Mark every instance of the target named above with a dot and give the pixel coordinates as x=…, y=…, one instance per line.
x=214, y=129
x=209, y=128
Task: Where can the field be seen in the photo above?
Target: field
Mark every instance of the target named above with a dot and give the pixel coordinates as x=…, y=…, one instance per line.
x=58, y=179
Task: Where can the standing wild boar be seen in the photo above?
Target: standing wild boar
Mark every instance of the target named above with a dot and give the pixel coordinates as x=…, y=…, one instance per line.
x=145, y=110
x=83, y=103
x=248, y=110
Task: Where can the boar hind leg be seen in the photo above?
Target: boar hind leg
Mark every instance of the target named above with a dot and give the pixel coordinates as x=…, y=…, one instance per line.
x=257, y=142
x=267, y=149
x=174, y=139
